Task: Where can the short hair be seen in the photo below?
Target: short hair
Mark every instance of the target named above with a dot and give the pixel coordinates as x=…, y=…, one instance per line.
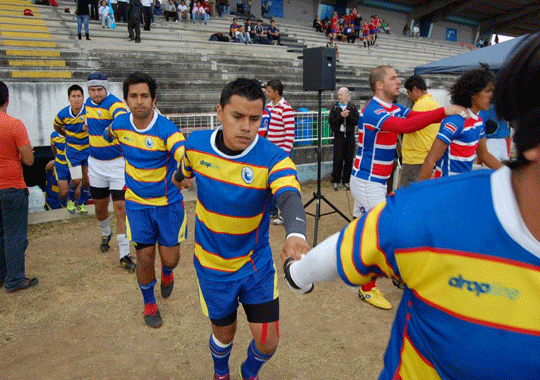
x=377, y=75
x=75, y=87
x=470, y=84
x=276, y=85
x=244, y=87
x=139, y=77
x=513, y=98
x=4, y=94
x=415, y=81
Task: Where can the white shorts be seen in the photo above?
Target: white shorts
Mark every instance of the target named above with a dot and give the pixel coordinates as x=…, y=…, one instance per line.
x=75, y=172
x=496, y=147
x=107, y=174
x=366, y=195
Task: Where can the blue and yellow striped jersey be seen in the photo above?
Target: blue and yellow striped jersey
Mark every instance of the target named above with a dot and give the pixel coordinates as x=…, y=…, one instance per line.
x=99, y=117
x=152, y=156
x=76, y=137
x=59, y=142
x=234, y=196
x=471, y=305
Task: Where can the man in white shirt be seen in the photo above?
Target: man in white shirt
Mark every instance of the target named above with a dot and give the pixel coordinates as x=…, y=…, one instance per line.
x=183, y=10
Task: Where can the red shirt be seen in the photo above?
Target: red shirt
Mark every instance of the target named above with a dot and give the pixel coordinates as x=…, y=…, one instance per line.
x=12, y=136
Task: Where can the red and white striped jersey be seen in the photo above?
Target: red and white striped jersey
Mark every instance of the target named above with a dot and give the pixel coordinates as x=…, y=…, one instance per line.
x=281, y=129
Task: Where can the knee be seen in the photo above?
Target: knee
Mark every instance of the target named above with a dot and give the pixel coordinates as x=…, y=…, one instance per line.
x=269, y=346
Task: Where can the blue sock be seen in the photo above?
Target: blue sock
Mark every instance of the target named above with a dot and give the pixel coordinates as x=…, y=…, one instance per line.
x=220, y=355
x=71, y=193
x=85, y=195
x=255, y=360
x=148, y=292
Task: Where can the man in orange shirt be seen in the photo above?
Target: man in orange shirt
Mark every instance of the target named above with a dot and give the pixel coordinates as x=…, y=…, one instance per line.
x=14, y=148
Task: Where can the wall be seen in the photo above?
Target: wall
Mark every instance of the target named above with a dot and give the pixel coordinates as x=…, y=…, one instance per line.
x=37, y=104
x=465, y=33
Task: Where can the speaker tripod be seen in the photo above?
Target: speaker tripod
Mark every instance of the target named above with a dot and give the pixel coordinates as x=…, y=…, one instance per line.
x=317, y=196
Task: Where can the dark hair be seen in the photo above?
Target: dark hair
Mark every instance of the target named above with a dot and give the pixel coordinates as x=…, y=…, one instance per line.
x=415, y=81
x=470, y=84
x=139, y=77
x=276, y=85
x=4, y=94
x=246, y=88
x=75, y=87
x=514, y=99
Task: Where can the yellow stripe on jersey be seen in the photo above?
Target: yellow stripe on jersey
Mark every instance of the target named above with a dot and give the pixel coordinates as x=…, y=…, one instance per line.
x=223, y=224
x=482, y=291
x=94, y=113
x=175, y=138
x=100, y=142
x=286, y=181
x=158, y=201
x=216, y=262
x=228, y=171
x=276, y=291
x=146, y=175
x=77, y=135
x=413, y=366
x=185, y=167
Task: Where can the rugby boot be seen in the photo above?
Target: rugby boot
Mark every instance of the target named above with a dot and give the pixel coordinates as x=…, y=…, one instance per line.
x=127, y=263
x=374, y=297
x=152, y=317
x=105, y=243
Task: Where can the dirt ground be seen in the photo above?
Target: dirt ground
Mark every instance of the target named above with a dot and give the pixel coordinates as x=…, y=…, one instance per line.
x=84, y=320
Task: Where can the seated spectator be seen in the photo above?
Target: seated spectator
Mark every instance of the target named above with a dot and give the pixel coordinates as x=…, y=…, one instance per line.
x=241, y=36
x=273, y=33
x=170, y=11
x=158, y=11
x=104, y=13
x=183, y=10
x=480, y=43
x=416, y=30
x=234, y=28
x=349, y=34
x=388, y=30
x=207, y=8
x=383, y=25
x=265, y=10
x=199, y=13
x=332, y=44
x=317, y=24
x=250, y=29
x=260, y=37
x=407, y=29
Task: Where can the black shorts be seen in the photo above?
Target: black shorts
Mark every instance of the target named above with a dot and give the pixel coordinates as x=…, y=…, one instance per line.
x=104, y=192
x=260, y=313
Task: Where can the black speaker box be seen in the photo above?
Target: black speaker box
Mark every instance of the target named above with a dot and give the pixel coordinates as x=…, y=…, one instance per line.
x=319, y=69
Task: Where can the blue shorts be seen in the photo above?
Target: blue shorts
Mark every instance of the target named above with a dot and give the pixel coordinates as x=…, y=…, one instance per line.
x=165, y=225
x=220, y=299
x=77, y=157
x=61, y=171
x=371, y=31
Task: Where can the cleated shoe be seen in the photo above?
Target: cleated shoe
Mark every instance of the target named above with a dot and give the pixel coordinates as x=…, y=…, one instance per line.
x=374, y=297
x=246, y=378
x=278, y=221
x=71, y=207
x=128, y=264
x=167, y=285
x=335, y=186
x=221, y=377
x=82, y=209
x=152, y=317
x=346, y=186
x=105, y=243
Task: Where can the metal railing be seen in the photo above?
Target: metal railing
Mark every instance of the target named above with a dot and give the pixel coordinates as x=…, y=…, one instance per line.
x=305, y=131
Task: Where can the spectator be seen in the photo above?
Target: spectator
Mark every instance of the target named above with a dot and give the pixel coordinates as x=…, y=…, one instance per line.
x=121, y=14
x=221, y=6
x=365, y=34
x=241, y=35
x=94, y=9
x=357, y=22
x=199, y=13
x=239, y=7
x=14, y=148
x=83, y=15
x=388, y=30
x=147, y=13
x=104, y=13
x=183, y=10
x=332, y=44
x=496, y=38
x=234, y=28
x=334, y=25
x=170, y=11
x=416, y=30
x=348, y=34
x=260, y=37
x=339, y=34
x=318, y=25
x=157, y=9
x=343, y=119
x=250, y=30
x=134, y=14
x=273, y=33
x=265, y=10
x=207, y=8
x=407, y=29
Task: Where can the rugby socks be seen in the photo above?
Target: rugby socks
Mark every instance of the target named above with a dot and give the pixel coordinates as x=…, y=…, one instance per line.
x=367, y=287
x=148, y=292
x=85, y=194
x=105, y=227
x=255, y=360
x=71, y=193
x=166, y=275
x=123, y=245
x=220, y=354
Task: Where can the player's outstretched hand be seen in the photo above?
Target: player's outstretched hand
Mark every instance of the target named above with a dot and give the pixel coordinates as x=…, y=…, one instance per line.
x=457, y=110
x=183, y=184
x=294, y=247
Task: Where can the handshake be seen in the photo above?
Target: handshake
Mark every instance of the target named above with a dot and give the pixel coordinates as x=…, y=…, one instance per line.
x=290, y=282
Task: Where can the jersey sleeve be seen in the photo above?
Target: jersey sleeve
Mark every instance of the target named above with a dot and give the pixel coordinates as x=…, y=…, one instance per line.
x=175, y=144
x=448, y=130
x=483, y=132
x=118, y=108
x=374, y=117
x=185, y=164
x=58, y=121
x=282, y=177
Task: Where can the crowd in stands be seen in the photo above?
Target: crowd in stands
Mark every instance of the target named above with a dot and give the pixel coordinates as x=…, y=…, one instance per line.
x=251, y=34
x=351, y=27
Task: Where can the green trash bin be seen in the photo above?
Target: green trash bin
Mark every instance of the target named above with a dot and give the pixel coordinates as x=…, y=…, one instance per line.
x=325, y=128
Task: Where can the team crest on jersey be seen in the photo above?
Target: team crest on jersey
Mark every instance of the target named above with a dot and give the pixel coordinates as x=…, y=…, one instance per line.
x=99, y=113
x=247, y=175
x=148, y=142
x=450, y=127
x=81, y=118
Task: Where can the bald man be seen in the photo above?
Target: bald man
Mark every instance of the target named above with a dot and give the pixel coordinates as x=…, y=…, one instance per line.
x=343, y=120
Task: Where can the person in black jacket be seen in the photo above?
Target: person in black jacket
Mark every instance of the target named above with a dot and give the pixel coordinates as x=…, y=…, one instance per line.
x=343, y=120
x=83, y=15
x=134, y=12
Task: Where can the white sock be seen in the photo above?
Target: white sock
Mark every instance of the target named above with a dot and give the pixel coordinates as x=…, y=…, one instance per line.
x=123, y=244
x=319, y=264
x=218, y=343
x=105, y=227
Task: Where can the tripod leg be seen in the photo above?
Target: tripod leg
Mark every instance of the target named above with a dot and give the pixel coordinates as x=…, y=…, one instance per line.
x=335, y=208
x=317, y=217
